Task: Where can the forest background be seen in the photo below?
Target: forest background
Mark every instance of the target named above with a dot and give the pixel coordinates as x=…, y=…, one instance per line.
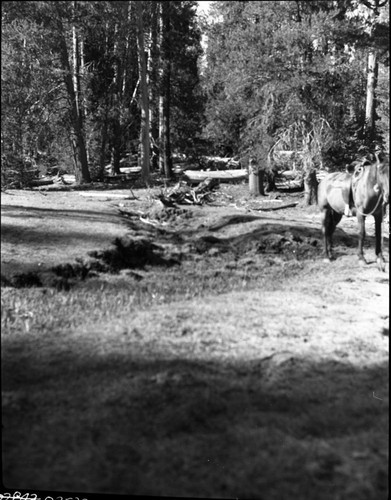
x=87, y=83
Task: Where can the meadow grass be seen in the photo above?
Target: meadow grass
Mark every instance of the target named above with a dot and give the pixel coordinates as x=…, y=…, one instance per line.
x=227, y=375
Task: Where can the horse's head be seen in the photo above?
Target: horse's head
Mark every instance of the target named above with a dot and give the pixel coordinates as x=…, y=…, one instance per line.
x=383, y=176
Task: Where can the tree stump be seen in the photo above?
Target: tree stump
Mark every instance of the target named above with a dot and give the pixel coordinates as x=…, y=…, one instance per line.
x=271, y=181
x=255, y=178
x=310, y=187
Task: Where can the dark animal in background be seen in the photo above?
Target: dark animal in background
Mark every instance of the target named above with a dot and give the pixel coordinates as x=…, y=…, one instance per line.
x=364, y=192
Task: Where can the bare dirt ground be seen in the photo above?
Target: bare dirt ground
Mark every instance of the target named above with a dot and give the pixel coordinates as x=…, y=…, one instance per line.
x=193, y=357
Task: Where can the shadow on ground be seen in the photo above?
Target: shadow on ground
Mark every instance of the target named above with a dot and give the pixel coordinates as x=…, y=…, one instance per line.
x=156, y=426
x=36, y=212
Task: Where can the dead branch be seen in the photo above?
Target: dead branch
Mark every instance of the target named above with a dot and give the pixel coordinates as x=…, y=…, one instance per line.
x=270, y=209
x=183, y=193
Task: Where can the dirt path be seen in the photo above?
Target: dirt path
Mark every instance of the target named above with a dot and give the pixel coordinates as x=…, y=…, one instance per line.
x=249, y=368
x=42, y=230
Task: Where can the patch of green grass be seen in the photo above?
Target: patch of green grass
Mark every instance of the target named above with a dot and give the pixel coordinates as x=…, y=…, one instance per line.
x=117, y=296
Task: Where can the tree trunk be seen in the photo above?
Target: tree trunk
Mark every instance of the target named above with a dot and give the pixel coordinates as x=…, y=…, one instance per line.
x=165, y=159
x=115, y=145
x=153, y=62
x=166, y=115
x=76, y=63
x=310, y=187
x=371, y=103
x=77, y=133
x=160, y=90
x=116, y=103
x=145, y=146
x=102, y=151
x=255, y=178
x=161, y=134
x=115, y=159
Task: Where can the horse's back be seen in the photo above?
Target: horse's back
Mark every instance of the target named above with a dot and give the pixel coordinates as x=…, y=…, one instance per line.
x=334, y=191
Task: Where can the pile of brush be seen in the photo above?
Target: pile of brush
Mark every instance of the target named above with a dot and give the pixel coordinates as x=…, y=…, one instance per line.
x=182, y=193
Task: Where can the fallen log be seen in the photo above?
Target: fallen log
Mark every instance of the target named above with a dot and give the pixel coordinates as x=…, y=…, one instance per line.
x=107, y=196
x=41, y=182
x=221, y=175
x=288, y=185
x=270, y=209
x=114, y=178
x=219, y=163
x=69, y=178
x=130, y=170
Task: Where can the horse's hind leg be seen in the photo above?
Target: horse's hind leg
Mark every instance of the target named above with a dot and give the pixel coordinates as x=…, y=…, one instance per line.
x=379, y=254
x=335, y=218
x=328, y=219
x=361, y=237
x=324, y=219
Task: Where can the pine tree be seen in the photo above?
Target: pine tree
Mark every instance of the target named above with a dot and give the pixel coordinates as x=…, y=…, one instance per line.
x=286, y=74
x=88, y=57
x=144, y=100
x=71, y=75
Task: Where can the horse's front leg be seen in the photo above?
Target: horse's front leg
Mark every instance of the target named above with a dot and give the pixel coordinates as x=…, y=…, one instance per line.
x=379, y=254
x=361, y=238
x=325, y=220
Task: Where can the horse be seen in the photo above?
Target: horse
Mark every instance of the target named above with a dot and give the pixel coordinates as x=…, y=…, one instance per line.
x=361, y=193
